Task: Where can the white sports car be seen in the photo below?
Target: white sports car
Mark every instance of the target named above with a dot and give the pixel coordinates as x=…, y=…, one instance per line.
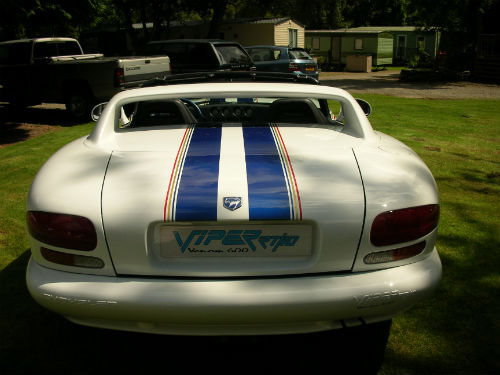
x=233, y=204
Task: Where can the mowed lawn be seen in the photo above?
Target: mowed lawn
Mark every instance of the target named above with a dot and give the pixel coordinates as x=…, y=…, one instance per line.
x=456, y=331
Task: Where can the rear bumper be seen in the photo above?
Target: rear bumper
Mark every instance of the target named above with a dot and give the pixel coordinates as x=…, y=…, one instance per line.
x=233, y=306
x=308, y=74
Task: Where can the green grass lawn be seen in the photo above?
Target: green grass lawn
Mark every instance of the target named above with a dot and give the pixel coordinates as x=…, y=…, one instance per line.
x=456, y=331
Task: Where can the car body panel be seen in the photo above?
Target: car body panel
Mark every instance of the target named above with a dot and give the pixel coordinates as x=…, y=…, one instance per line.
x=234, y=306
x=70, y=182
x=393, y=175
x=328, y=183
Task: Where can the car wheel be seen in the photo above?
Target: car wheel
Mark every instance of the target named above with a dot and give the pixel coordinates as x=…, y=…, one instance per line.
x=78, y=105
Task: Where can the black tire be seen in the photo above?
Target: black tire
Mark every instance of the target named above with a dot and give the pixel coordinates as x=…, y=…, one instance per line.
x=79, y=105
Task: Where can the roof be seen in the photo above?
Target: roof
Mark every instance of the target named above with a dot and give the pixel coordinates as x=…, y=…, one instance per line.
x=393, y=28
x=61, y=39
x=201, y=41
x=373, y=30
x=343, y=31
x=275, y=21
x=272, y=46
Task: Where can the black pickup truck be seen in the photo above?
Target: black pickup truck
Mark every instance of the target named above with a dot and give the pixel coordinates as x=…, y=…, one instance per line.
x=55, y=70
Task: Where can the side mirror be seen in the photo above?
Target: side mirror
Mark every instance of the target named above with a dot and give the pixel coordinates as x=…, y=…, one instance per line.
x=365, y=106
x=97, y=111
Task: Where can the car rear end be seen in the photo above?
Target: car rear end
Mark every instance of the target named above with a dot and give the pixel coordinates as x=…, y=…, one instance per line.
x=227, y=227
x=131, y=72
x=301, y=63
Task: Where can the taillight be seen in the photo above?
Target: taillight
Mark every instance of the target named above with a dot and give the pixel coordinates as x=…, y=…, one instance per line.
x=408, y=224
x=74, y=260
x=119, y=77
x=293, y=67
x=394, y=254
x=61, y=230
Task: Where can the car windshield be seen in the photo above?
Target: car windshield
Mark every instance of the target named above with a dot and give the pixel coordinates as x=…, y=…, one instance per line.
x=243, y=110
x=298, y=54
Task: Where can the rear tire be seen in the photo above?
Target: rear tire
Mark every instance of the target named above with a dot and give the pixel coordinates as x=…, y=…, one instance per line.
x=78, y=105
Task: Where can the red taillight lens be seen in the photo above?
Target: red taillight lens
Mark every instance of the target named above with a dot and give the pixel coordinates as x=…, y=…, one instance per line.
x=119, y=76
x=404, y=225
x=293, y=67
x=61, y=230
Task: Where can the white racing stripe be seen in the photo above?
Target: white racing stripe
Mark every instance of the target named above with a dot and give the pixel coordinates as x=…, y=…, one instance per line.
x=232, y=173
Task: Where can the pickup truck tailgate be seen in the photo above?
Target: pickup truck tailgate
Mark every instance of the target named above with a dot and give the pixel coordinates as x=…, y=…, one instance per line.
x=144, y=68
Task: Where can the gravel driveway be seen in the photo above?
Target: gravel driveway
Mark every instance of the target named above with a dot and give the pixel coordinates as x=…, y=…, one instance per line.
x=386, y=82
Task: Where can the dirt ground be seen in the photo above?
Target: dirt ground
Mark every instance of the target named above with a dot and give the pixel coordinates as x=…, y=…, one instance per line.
x=386, y=82
x=37, y=120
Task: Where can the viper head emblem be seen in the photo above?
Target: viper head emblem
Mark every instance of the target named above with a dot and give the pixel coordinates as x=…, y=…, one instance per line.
x=232, y=203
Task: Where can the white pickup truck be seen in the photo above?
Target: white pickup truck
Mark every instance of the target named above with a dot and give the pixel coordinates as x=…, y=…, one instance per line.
x=55, y=70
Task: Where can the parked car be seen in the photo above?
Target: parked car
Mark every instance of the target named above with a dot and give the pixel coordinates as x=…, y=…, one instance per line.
x=283, y=59
x=55, y=70
x=234, y=203
x=195, y=55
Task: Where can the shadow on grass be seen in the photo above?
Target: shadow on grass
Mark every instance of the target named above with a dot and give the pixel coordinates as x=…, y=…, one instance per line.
x=17, y=126
x=464, y=313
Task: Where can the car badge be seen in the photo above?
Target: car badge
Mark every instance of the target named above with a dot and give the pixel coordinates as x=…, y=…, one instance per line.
x=232, y=203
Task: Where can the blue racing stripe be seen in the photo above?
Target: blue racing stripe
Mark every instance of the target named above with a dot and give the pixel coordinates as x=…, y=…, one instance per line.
x=197, y=194
x=267, y=191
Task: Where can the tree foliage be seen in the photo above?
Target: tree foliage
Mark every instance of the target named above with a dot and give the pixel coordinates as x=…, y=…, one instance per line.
x=28, y=18
x=462, y=20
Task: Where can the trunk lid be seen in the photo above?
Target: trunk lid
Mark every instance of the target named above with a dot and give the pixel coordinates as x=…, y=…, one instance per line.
x=234, y=201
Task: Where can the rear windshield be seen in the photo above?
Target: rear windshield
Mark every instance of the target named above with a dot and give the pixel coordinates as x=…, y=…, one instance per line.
x=56, y=48
x=232, y=54
x=298, y=54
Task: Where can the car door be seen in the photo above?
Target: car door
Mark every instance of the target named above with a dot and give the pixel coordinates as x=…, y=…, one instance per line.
x=267, y=59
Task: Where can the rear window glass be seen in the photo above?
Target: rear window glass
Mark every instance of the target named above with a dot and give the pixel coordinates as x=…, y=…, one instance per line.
x=298, y=54
x=232, y=55
x=264, y=54
x=175, y=51
x=68, y=48
x=48, y=49
x=199, y=53
x=44, y=50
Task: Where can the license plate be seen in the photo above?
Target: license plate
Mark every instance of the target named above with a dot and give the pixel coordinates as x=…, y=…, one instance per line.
x=309, y=69
x=235, y=241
